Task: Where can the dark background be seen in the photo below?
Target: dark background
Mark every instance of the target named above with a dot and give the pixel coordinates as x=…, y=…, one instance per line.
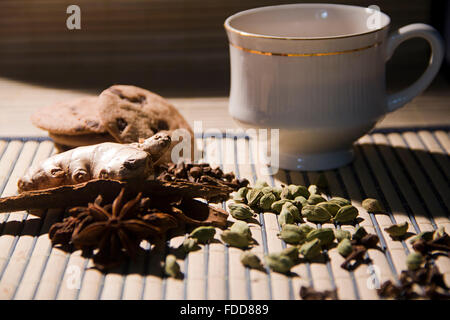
x=173, y=47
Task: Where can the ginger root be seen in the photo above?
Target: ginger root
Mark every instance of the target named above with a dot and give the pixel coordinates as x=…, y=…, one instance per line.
x=105, y=161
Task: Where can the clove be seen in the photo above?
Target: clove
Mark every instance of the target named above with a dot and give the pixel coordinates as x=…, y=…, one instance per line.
x=357, y=255
x=309, y=293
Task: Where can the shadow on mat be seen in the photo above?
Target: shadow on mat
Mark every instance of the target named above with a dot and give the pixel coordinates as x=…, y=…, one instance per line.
x=383, y=172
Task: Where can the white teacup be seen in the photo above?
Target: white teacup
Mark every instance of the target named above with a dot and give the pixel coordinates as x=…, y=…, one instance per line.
x=317, y=72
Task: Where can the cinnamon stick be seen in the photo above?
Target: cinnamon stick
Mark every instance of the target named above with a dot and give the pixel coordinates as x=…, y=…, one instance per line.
x=80, y=194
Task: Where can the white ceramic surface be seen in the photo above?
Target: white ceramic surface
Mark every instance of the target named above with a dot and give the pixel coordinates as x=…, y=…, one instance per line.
x=317, y=73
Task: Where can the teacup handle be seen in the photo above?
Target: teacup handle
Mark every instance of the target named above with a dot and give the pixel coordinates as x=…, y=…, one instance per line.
x=397, y=100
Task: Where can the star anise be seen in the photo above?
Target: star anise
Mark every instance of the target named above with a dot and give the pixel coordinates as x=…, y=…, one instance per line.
x=116, y=232
x=61, y=232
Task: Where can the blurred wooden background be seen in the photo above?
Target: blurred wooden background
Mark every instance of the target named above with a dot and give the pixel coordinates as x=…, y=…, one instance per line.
x=174, y=47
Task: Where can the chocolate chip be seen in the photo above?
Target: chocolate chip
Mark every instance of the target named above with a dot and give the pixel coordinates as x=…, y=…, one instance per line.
x=137, y=99
x=121, y=124
x=79, y=128
x=92, y=124
x=162, y=125
x=117, y=92
x=140, y=99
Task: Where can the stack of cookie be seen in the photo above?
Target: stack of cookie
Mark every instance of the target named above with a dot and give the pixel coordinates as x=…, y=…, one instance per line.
x=121, y=113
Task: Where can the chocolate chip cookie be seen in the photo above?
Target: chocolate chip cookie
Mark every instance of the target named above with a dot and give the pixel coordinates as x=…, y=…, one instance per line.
x=130, y=113
x=75, y=117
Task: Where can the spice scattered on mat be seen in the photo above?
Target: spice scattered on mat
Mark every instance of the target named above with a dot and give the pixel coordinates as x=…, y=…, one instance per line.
x=200, y=173
x=109, y=219
x=113, y=231
x=309, y=293
x=422, y=270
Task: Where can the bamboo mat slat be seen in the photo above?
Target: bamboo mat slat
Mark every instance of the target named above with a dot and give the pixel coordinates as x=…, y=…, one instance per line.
x=408, y=171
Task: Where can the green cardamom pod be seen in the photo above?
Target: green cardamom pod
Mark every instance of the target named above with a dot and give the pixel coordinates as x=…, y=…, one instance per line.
x=331, y=207
x=240, y=211
x=277, y=192
x=315, y=199
x=397, y=230
x=266, y=190
x=345, y=247
x=279, y=262
x=346, y=214
x=340, y=234
x=240, y=195
x=310, y=249
x=171, y=266
x=306, y=228
x=298, y=204
x=340, y=201
x=250, y=260
x=291, y=253
x=372, y=205
x=414, y=261
x=253, y=196
x=316, y=214
x=424, y=235
x=298, y=190
x=278, y=205
x=292, y=234
x=293, y=228
x=259, y=184
x=360, y=233
x=325, y=235
x=285, y=194
x=265, y=203
x=293, y=210
x=190, y=244
x=313, y=189
x=203, y=234
x=300, y=201
x=235, y=239
x=291, y=237
x=243, y=228
x=285, y=217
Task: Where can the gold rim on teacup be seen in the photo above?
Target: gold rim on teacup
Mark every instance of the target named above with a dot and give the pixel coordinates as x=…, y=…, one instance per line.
x=315, y=54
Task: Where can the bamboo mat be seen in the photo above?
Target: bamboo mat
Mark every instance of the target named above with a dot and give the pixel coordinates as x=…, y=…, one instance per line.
x=408, y=171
